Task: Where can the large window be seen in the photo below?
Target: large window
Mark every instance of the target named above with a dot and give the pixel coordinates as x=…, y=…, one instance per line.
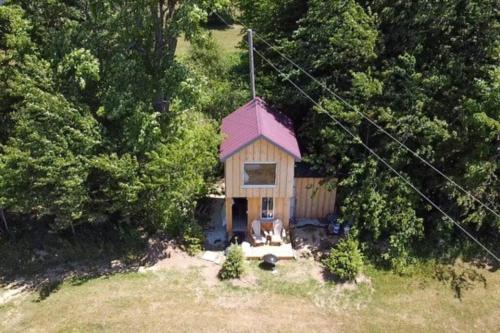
x=267, y=208
x=259, y=174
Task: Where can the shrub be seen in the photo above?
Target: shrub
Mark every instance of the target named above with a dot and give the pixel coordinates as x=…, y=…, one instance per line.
x=192, y=238
x=233, y=266
x=459, y=277
x=345, y=260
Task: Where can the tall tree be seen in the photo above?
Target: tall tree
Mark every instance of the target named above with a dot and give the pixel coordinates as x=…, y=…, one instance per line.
x=44, y=161
x=423, y=70
x=95, y=98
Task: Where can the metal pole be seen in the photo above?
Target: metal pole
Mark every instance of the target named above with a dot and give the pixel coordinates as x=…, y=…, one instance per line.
x=250, y=51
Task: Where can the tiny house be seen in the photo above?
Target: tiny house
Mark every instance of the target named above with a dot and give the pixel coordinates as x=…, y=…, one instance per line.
x=260, y=151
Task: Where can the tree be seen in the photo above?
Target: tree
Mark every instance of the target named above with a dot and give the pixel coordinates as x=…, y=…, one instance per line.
x=103, y=123
x=175, y=173
x=44, y=160
x=423, y=71
x=220, y=89
x=233, y=267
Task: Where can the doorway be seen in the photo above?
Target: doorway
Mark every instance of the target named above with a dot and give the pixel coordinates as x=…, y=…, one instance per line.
x=240, y=208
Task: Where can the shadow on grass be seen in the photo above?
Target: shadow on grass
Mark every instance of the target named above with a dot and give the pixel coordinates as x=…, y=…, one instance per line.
x=42, y=265
x=329, y=277
x=267, y=267
x=47, y=288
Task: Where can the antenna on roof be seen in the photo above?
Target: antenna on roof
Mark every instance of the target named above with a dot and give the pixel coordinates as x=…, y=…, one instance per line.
x=250, y=51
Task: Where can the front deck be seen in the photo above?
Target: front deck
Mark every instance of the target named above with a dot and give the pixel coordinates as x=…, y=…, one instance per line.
x=283, y=251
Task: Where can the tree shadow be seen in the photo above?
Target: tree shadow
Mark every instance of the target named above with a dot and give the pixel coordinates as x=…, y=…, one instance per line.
x=47, y=288
x=27, y=268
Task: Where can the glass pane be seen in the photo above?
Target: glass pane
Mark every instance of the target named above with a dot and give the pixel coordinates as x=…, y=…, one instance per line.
x=259, y=173
x=267, y=208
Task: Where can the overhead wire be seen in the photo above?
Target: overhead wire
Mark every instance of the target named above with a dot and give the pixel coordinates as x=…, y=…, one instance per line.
x=371, y=121
x=383, y=161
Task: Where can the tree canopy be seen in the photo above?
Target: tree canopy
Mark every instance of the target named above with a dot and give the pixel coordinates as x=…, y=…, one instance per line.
x=426, y=72
x=101, y=120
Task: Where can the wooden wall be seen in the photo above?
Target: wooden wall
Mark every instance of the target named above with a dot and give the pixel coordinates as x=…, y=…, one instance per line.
x=228, y=206
x=260, y=151
x=281, y=209
x=312, y=200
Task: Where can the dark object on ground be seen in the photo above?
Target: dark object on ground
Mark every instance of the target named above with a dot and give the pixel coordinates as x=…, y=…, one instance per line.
x=238, y=238
x=308, y=223
x=270, y=260
x=333, y=225
x=335, y=228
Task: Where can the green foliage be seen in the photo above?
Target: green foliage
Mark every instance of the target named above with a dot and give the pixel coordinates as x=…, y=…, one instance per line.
x=101, y=121
x=77, y=69
x=459, y=277
x=114, y=185
x=192, y=238
x=220, y=90
x=37, y=248
x=14, y=44
x=425, y=71
x=232, y=268
x=45, y=162
x=175, y=173
x=345, y=260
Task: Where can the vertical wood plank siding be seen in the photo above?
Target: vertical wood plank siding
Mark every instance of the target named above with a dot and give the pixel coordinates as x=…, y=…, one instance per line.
x=260, y=151
x=229, y=216
x=311, y=199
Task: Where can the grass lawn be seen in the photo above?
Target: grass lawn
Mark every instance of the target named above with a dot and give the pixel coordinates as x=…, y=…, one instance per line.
x=227, y=39
x=181, y=300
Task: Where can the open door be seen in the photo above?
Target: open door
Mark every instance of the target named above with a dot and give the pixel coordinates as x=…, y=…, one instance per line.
x=240, y=212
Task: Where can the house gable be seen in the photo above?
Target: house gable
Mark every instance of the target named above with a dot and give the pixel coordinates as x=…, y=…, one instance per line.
x=260, y=150
x=253, y=121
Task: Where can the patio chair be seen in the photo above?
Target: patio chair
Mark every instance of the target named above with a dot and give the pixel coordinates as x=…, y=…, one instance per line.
x=256, y=234
x=279, y=232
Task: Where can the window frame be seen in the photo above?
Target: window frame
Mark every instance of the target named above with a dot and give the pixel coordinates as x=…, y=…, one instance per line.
x=243, y=185
x=262, y=208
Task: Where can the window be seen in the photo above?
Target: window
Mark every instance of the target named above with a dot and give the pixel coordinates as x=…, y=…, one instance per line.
x=267, y=208
x=259, y=174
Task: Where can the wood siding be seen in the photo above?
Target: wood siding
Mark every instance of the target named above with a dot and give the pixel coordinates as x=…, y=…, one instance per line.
x=260, y=151
x=281, y=210
x=229, y=216
x=311, y=199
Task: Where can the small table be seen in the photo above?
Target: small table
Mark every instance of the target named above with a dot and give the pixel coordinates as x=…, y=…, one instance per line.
x=267, y=227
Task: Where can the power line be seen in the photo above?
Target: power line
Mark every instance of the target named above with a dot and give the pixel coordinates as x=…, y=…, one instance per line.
x=401, y=144
x=358, y=140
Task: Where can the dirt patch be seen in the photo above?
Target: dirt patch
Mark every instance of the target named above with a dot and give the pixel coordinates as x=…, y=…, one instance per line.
x=177, y=259
x=11, y=292
x=312, y=241
x=249, y=280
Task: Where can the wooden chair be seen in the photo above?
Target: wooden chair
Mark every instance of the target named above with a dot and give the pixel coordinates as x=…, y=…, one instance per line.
x=256, y=234
x=279, y=233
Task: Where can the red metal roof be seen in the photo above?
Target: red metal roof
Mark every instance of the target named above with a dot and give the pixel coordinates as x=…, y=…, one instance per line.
x=253, y=121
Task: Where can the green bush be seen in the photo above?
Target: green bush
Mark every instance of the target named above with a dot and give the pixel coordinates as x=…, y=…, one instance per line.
x=192, y=238
x=233, y=266
x=459, y=277
x=345, y=260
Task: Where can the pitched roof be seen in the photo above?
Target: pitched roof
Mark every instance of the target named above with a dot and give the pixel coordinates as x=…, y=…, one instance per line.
x=253, y=121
